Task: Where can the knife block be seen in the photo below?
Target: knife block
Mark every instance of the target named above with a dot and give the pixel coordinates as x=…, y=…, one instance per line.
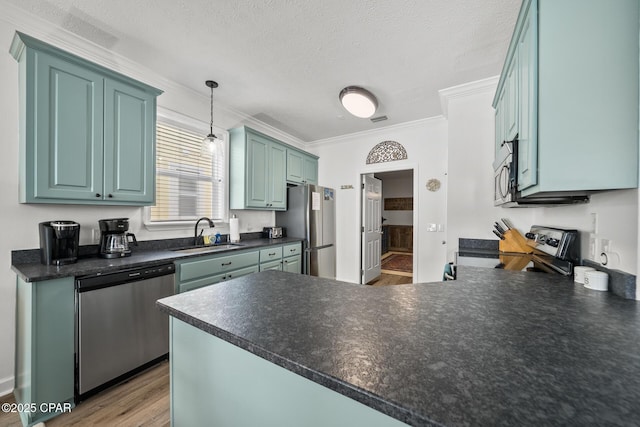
x=514, y=242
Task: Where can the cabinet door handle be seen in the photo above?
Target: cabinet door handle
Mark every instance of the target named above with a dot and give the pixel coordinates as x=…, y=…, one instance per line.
x=110, y=196
x=224, y=264
x=98, y=195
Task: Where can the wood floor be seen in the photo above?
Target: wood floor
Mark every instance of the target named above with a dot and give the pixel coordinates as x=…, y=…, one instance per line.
x=389, y=277
x=141, y=401
x=392, y=279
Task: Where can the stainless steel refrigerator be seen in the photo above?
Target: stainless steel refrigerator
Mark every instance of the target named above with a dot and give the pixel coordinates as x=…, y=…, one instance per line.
x=311, y=214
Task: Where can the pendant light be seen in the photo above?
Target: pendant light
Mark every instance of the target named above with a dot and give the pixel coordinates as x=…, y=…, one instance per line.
x=358, y=101
x=210, y=141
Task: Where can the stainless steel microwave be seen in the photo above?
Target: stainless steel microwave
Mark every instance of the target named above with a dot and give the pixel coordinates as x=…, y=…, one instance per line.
x=505, y=173
x=505, y=184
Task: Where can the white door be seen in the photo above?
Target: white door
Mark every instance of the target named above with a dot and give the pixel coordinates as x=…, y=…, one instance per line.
x=371, y=227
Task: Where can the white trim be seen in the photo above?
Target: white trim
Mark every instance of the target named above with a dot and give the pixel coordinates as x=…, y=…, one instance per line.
x=392, y=167
x=466, y=89
x=376, y=131
x=6, y=386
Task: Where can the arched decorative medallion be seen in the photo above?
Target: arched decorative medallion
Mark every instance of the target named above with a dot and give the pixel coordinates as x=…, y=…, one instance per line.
x=386, y=151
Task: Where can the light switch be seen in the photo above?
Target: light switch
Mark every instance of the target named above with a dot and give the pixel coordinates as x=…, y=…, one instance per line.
x=432, y=227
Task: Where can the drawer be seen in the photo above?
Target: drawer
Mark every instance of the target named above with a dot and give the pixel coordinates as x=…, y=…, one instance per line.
x=211, y=280
x=195, y=284
x=292, y=249
x=270, y=254
x=239, y=273
x=271, y=265
x=219, y=264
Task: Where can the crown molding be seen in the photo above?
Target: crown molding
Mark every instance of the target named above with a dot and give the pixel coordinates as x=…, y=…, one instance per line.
x=391, y=128
x=64, y=39
x=466, y=89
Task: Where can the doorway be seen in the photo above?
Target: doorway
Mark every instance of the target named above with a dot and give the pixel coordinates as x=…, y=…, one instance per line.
x=392, y=262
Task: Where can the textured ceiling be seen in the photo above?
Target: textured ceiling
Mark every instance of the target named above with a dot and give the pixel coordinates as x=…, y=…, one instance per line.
x=285, y=61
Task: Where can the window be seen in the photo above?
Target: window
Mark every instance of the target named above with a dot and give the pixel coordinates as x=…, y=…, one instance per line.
x=191, y=182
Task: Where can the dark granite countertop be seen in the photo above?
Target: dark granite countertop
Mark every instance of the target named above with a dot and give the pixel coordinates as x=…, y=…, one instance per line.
x=492, y=348
x=155, y=253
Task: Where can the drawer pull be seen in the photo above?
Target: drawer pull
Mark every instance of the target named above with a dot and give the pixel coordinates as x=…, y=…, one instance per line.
x=224, y=264
x=272, y=254
x=292, y=250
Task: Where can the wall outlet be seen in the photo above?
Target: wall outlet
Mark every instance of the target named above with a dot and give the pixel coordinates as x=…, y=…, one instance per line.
x=605, y=245
x=432, y=227
x=95, y=235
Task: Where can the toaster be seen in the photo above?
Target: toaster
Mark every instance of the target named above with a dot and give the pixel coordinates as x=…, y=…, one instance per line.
x=273, y=232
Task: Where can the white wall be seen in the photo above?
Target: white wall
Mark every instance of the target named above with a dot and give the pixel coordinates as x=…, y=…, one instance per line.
x=470, y=210
x=394, y=188
x=21, y=221
x=342, y=160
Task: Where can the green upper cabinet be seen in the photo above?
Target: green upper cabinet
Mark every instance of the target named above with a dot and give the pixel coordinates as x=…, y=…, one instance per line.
x=129, y=143
x=574, y=67
x=302, y=168
x=257, y=171
x=261, y=166
x=87, y=134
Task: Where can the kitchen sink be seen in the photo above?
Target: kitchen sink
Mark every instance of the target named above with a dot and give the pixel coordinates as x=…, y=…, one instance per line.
x=207, y=249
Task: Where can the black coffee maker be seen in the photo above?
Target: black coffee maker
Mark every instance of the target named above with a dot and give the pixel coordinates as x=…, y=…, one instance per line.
x=59, y=242
x=114, y=239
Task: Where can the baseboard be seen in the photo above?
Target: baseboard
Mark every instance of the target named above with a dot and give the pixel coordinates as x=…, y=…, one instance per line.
x=6, y=386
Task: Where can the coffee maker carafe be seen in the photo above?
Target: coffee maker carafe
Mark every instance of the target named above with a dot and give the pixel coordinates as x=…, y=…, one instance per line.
x=59, y=242
x=114, y=239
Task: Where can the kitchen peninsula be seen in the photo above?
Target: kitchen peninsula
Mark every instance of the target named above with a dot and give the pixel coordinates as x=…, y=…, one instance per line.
x=492, y=348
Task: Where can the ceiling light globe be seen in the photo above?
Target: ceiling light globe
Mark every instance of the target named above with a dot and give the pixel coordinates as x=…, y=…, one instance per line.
x=358, y=101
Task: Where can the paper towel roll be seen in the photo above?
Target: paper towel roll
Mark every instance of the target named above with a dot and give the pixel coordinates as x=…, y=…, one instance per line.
x=234, y=229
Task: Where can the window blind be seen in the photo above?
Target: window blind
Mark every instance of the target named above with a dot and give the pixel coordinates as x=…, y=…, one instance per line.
x=190, y=179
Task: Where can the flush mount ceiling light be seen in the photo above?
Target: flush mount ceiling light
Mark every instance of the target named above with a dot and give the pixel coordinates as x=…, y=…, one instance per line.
x=210, y=141
x=358, y=101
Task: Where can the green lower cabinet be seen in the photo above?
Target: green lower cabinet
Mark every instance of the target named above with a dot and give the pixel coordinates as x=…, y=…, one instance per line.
x=292, y=264
x=202, y=271
x=44, y=371
x=271, y=265
x=241, y=272
x=194, y=273
x=214, y=383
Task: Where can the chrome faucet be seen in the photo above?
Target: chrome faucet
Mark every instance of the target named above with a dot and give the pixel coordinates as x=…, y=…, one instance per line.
x=197, y=238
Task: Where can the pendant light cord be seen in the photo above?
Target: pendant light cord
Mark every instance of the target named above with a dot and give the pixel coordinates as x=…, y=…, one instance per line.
x=211, y=124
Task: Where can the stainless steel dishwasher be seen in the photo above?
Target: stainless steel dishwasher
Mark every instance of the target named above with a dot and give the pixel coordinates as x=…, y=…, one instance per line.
x=119, y=329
